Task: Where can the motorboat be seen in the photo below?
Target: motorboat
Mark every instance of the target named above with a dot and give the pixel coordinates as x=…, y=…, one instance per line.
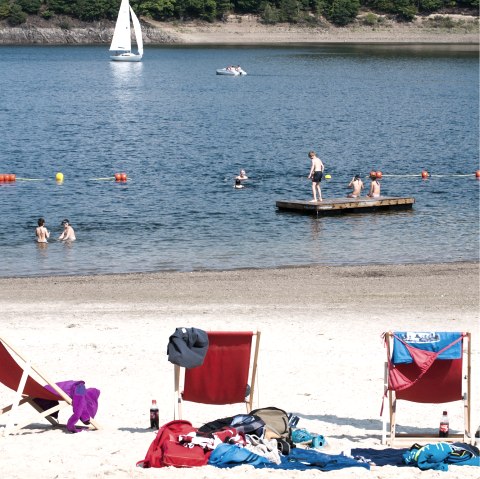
x=233, y=71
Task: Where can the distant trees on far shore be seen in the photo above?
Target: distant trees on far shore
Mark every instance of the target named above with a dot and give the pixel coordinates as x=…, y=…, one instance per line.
x=338, y=12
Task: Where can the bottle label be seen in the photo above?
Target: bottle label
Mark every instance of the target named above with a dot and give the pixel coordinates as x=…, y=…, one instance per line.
x=443, y=427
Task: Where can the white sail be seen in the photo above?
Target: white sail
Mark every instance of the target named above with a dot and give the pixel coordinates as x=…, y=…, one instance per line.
x=138, y=32
x=122, y=41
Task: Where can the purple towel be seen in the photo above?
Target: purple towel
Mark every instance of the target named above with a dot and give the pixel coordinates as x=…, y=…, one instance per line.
x=84, y=402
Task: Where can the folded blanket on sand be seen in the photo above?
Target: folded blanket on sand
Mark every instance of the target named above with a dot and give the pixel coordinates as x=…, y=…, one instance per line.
x=227, y=455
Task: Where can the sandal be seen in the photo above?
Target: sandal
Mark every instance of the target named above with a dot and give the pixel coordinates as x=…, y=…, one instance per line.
x=301, y=436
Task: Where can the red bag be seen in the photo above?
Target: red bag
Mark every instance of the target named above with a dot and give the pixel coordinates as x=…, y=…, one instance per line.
x=180, y=455
x=165, y=449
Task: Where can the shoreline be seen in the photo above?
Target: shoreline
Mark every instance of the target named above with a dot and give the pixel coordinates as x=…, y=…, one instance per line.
x=246, y=30
x=320, y=266
x=394, y=283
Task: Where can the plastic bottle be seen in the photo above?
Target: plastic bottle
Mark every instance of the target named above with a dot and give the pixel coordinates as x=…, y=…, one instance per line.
x=154, y=415
x=444, y=425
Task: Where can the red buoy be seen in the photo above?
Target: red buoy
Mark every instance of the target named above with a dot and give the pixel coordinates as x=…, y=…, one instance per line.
x=477, y=174
x=118, y=177
x=373, y=174
x=425, y=174
x=379, y=175
x=11, y=177
x=123, y=176
x=2, y=178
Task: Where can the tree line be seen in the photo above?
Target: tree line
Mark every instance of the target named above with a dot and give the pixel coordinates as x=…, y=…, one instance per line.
x=338, y=12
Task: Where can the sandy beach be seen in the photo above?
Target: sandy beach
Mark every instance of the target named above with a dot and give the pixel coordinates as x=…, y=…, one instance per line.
x=321, y=355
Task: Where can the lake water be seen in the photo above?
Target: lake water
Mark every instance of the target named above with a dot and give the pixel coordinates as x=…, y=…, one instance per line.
x=181, y=133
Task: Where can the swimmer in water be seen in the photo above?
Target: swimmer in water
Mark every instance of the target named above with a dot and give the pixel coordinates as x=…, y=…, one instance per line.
x=242, y=176
x=68, y=232
x=41, y=231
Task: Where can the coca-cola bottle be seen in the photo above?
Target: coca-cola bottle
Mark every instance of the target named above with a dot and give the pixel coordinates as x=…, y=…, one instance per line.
x=154, y=415
x=444, y=425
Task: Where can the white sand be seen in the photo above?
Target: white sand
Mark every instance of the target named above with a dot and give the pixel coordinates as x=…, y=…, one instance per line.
x=321, y=356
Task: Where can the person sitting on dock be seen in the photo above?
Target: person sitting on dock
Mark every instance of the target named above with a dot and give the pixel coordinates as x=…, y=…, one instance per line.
x=357, y=185
x=316, y=174
x=374, y=188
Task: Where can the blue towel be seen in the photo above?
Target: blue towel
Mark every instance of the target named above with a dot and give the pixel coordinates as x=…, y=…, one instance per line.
x=381, y=457
x=229, y=455
x=430, y=341
x=305, y=459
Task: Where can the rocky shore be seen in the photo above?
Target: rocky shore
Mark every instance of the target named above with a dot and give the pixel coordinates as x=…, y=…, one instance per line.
x=247, y=29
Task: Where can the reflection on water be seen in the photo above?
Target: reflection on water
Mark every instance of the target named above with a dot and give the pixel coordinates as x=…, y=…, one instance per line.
x=42, y=249
x=315, y=228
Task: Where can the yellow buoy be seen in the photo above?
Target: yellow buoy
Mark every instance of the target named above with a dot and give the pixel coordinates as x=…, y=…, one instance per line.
x=328, y=177
x=59, y=176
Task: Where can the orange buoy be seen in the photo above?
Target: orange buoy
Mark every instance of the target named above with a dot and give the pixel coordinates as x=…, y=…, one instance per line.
x=123, y=176
x=373, y=174
x=11, y=177
x=477, y=174
x=118, y=177
x=379, y=175
x=2, y=178
x=425, y=174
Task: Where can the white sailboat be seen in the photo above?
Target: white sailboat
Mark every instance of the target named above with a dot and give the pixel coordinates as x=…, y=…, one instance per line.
x=121, y=46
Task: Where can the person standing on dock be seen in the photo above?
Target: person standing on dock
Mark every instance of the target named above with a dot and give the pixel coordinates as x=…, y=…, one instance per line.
x=316, y=174
x=374, y=188
x=357, y=185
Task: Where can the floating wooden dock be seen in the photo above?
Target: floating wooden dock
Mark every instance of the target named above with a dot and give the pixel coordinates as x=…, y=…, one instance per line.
x=336, y=206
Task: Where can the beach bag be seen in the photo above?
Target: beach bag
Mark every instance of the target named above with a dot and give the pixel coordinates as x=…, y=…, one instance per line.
x=166, y=450
x=184, y=455
x=243, y=423
x=276, y=427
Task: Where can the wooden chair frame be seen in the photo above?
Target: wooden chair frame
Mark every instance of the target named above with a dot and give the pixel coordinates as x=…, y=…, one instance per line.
x=179, y=373
x=393, y=438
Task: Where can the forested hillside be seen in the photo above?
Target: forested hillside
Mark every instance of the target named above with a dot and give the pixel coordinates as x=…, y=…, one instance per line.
x=338, y=12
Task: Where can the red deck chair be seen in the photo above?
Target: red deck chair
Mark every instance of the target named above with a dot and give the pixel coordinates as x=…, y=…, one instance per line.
x=228, y=370
x=16, y=373
x=428, y=379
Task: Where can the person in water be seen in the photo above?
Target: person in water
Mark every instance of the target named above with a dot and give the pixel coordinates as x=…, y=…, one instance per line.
x=242, y=175
x=374, y=188
x=68, y=232
x=316, y=174
x=238, y=184
x=357, y=185
x=41, y=231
